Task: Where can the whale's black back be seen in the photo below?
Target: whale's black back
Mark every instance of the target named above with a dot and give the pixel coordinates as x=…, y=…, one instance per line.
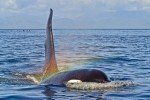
x=85, y=75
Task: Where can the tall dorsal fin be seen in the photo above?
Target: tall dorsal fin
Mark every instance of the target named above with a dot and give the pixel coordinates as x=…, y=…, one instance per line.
x=50, y=59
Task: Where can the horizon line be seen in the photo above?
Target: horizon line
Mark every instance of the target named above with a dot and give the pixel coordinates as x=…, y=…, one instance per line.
x=77, y=29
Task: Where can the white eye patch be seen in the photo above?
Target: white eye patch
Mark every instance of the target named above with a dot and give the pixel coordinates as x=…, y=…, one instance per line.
x=74, y=81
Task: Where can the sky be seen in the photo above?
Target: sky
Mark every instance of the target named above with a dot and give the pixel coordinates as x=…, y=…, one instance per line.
x=75, y=14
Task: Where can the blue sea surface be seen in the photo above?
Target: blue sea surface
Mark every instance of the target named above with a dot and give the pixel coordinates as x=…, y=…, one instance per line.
x=121, y=54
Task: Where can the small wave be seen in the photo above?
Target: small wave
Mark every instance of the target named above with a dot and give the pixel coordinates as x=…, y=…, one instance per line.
x=14, y=60
x=15, y=81
x=14, y=78
x=18, y=97
x=121, y=59
x=113, y=47
x=114, y=59
x=99, y=86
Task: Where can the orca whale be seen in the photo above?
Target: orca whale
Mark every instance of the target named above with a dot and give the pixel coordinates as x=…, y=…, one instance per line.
x=51, y=74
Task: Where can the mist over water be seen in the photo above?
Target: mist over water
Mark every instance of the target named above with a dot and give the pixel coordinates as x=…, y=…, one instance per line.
x=121, y=54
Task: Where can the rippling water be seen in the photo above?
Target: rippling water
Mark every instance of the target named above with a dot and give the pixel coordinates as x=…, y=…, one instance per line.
x=121, y=54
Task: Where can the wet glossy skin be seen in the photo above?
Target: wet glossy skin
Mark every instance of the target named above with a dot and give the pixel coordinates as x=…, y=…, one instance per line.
x=50, y=59
x=85, y=75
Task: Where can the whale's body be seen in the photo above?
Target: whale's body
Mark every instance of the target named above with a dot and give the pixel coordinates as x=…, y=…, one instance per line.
x=85, y=75
x=51, y=69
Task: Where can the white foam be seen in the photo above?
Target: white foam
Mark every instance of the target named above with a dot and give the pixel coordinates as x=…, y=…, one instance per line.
x=98, y=86
x=33, y=79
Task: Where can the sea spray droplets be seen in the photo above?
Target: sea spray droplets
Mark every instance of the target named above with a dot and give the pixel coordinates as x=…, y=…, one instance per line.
x=99, y=86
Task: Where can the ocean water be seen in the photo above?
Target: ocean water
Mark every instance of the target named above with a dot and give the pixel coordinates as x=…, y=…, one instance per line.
x=121, y=54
